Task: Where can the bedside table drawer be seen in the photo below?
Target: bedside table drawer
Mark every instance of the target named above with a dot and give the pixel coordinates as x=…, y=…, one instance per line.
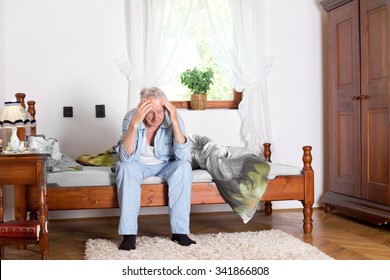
x=21, y=172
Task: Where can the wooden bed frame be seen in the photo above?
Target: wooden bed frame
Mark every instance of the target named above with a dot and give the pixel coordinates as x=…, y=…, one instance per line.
x=287, y=187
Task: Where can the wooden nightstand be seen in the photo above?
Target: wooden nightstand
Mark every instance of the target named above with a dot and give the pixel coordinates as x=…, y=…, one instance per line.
x=25, y=170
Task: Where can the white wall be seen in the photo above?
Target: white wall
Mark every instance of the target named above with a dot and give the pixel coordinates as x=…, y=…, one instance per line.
x=62, y=53
x=2, y=56
x=295, y=40
x=2, y=49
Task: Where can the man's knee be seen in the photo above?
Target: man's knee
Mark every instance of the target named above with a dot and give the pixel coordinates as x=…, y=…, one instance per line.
x=183, y=166
x=181, y=171
x=129, y=170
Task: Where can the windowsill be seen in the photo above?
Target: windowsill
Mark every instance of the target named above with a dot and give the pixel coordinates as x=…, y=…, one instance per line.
x=210, y=105
x=225, y=104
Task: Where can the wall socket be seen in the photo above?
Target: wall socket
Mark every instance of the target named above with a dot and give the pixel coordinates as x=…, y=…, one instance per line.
x=68, y=112
x=100, y=111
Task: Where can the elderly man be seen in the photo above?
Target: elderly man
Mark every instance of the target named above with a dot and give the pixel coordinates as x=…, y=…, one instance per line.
x=153, y=143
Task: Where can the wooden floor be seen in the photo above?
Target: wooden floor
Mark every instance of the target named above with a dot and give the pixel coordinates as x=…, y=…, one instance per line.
x=338, y=236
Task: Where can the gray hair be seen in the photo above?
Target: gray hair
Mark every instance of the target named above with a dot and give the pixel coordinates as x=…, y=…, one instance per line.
x=153, y=92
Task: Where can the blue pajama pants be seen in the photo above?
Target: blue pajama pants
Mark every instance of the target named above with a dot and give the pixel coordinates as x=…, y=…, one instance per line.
x=178, y=175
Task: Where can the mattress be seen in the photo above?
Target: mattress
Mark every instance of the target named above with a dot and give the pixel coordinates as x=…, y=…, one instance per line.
x=103, y=176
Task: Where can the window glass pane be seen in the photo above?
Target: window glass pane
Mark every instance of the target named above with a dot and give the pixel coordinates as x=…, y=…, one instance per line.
x=198, y=53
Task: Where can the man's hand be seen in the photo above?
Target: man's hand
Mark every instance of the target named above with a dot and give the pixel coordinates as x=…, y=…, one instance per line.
x=171, y=110
x=142, y=109
x=177, y=133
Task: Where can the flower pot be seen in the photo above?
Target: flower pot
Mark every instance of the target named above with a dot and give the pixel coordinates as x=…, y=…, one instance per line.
x=198, y=101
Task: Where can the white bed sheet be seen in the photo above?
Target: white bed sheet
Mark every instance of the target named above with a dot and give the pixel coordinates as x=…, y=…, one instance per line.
x=102, y=176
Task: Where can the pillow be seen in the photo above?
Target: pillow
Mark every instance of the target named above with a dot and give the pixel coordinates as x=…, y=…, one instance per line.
x=55, y=148
x=57, y=162
x=39, y=144
x=42, y=145
x=103, y=159
x=66, y=163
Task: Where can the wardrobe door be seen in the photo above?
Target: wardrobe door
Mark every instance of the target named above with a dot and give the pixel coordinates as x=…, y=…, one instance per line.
x=375, y=55
x=344, y=111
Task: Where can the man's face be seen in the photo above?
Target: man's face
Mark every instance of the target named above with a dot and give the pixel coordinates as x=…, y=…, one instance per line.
x=156, y=115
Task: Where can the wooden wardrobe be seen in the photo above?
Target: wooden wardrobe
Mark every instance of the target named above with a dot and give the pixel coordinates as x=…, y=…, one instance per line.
x=359, y=118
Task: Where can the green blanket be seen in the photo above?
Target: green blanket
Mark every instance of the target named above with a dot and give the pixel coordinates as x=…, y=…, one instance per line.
x=102, y=159
x=240, y=175
x=243, y=190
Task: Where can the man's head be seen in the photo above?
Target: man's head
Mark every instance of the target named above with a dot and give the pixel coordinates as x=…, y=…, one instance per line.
x=156, y=97
x=152, y=92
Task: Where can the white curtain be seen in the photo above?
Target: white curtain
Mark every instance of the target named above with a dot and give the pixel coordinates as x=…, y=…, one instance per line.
x=237, y=33
x=157, y=32
x=159, y=29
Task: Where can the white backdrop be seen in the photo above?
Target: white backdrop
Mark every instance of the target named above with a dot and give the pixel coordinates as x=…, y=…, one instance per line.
x=62, y=53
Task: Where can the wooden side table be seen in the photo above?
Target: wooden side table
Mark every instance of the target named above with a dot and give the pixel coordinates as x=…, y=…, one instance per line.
x=25, y=170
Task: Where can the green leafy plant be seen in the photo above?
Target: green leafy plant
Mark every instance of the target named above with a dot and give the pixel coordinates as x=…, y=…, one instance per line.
x=196, y=80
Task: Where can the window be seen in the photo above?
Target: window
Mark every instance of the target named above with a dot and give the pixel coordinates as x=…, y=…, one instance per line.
x=199, y=53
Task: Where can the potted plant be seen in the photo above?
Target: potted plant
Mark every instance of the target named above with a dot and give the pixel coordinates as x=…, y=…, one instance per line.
x=198, y=82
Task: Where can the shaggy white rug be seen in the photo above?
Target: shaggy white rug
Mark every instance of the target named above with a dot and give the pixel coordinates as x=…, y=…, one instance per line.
x=261, y=245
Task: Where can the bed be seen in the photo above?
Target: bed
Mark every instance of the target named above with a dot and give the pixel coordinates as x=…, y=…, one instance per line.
x=80, y=194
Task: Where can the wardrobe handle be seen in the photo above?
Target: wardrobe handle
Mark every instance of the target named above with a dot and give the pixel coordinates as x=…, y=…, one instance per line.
x=360, y=97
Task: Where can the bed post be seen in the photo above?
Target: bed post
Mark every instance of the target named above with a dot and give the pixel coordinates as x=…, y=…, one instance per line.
x=21, y=132
x=31, y=110
x=267, y=156
x=267, y=151
x=309, y=190
x=33, y=131
x=20, y=98
x=20, y=190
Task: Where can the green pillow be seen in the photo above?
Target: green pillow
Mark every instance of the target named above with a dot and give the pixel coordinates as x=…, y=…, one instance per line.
x=103, y=159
